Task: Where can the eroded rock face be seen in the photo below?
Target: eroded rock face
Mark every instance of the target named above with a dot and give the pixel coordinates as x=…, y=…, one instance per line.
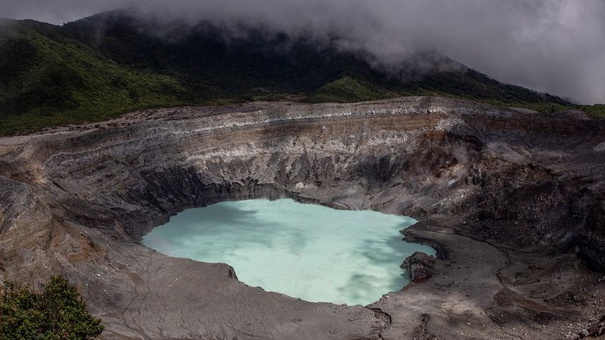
x=78, y=201
x=419, y=266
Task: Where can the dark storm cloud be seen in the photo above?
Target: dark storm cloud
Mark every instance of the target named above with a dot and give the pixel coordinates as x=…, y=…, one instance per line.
x=556, y=46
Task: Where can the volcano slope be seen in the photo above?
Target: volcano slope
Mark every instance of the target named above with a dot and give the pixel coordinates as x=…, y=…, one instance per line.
x=512, y=200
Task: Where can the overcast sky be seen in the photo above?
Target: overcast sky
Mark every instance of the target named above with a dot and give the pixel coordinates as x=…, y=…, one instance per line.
x=557, y=46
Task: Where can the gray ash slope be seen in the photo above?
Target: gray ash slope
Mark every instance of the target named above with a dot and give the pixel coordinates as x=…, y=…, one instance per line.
x=513, y=200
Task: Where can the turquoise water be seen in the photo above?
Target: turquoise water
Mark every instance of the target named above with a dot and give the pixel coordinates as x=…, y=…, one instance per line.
x=302, y=250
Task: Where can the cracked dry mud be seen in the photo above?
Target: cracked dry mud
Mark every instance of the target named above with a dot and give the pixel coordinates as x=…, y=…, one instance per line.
x=513, y=201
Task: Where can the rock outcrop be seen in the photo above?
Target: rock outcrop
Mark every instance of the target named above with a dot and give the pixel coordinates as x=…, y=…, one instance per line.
x=504, y=182
x=420, y=267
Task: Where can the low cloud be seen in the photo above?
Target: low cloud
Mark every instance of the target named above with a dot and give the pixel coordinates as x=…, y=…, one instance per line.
x=554, y=46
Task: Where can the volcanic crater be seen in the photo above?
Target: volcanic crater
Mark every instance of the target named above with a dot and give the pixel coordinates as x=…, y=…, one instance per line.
x=512, y=200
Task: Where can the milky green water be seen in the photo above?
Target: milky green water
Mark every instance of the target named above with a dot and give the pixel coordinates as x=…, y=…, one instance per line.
x=303, y=250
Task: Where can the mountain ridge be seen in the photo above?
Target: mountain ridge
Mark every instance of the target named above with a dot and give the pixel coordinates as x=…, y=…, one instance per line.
x=99, y=67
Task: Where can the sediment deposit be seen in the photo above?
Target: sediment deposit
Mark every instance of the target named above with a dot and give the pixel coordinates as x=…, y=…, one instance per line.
x=512, y=200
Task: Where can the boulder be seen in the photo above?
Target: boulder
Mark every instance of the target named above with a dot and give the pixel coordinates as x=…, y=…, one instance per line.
x=420, y=266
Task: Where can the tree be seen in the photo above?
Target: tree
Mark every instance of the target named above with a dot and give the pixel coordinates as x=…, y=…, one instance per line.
x=57, y=312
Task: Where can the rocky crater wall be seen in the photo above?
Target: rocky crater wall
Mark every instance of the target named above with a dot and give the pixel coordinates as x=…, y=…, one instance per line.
x=77, y=201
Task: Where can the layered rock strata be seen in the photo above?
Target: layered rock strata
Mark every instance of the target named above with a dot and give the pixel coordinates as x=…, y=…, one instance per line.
x=513, y=201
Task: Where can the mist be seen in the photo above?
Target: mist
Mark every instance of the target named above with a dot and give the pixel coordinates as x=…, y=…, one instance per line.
x=554, y=46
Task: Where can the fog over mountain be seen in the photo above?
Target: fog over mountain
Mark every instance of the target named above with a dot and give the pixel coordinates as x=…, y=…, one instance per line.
x=554, y=46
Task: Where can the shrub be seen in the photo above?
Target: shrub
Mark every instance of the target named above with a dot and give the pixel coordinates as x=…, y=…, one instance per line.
x=57, y=312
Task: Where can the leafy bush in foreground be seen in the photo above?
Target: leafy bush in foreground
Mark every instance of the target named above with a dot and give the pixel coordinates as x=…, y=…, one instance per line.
x=57, y=312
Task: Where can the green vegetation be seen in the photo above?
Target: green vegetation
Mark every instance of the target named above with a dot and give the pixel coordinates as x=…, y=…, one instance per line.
x=49, y=79
x=597, y=110
x=57, y=312
x=347, y=89
x=102, y=66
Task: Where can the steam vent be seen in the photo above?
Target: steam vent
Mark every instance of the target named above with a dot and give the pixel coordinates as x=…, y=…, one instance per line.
x=511, y=200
